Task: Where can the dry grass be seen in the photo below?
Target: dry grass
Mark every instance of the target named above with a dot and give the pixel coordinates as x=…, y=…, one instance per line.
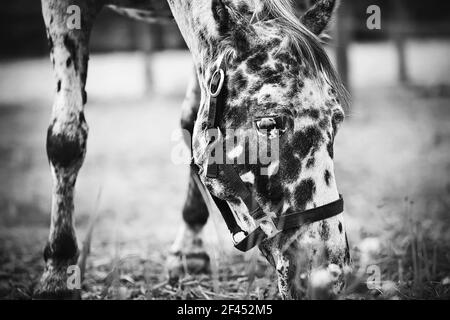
x=416, y=267
x=137, y=278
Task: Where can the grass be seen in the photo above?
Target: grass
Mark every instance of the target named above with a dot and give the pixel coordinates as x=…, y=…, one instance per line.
x=413, y=261
x=417, y=269
x=139, y=279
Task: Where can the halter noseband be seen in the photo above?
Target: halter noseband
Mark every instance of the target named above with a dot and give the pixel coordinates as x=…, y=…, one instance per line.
x=243, y=240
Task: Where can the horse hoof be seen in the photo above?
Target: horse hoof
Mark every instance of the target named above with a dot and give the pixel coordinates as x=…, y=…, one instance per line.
x=179, y=265
x=53, y=286
x=57, y=295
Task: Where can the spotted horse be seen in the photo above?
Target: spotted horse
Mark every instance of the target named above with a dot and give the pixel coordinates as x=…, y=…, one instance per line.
x=259, y=67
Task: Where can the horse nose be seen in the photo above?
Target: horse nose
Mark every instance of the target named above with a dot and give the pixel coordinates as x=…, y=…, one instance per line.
x=305, y=267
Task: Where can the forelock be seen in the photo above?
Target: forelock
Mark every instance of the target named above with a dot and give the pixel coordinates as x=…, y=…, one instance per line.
x=299, y=40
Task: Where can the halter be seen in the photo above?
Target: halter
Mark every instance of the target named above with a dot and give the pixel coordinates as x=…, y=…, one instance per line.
x=243, y=240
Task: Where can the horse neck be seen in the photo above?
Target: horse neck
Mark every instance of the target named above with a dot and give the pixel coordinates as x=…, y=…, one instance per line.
x=196, y=23
x=199, y=28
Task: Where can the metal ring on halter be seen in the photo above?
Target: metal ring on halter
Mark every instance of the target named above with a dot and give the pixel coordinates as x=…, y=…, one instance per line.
x=221, y=73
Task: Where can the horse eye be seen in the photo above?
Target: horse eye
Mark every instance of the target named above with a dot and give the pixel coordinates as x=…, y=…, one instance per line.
x=271, y=126
x=337, y=119
x=266, y=124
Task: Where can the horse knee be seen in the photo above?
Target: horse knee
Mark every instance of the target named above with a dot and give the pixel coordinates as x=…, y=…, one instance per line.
x=195, y=214
x=195, y=211
x=66, y=147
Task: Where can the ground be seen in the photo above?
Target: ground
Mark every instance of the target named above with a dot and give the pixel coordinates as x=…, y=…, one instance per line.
x=393, y=167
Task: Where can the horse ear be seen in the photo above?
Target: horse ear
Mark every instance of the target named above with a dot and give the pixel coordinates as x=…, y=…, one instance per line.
x=221, y=15
x=317, y=18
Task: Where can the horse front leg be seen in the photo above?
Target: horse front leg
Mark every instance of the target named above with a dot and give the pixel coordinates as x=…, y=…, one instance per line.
x=188, y=254
x=66, y=135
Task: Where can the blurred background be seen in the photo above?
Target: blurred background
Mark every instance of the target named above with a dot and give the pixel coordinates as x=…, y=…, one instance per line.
x=392, y=154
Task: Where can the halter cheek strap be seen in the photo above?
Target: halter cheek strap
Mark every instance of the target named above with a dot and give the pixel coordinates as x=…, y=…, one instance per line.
x=243, y=240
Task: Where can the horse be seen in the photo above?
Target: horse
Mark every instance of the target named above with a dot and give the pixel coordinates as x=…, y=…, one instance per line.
x=260, y=67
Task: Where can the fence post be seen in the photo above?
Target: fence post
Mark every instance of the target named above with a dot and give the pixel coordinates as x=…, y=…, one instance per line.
x=400, y=30
x=343, y=35
x=148, y=39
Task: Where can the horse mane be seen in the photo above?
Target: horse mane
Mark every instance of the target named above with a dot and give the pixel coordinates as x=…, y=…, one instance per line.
x=307, y=45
